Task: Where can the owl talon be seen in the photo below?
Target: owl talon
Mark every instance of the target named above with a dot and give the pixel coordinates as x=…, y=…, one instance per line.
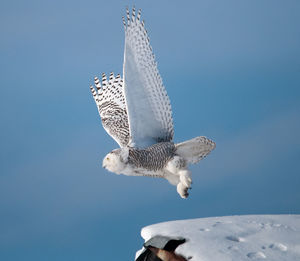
x=182, y=190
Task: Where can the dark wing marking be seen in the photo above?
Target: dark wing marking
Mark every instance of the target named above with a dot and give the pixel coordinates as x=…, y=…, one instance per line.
x=111, y=105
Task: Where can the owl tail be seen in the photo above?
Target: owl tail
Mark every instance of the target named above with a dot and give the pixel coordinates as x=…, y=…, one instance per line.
x=195, y=149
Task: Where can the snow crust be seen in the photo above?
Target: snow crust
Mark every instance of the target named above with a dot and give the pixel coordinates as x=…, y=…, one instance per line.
x=252, y=237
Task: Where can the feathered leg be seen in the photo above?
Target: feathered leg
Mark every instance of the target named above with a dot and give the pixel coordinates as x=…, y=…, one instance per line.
x=177, y=167
x=185, y=177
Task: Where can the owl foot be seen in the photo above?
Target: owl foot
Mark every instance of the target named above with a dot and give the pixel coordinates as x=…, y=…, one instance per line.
x=182, y=190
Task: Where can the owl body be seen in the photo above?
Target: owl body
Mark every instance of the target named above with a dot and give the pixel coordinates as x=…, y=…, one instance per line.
x=136, y=112
x=153, y=158
x=142, y=162
x=164, y=160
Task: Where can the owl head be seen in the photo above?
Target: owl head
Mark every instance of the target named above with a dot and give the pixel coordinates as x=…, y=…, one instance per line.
x=114, y=162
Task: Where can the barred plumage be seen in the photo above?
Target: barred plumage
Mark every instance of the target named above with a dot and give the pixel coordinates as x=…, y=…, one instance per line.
x=152, y=158
x=112, y=108
x=136, y=112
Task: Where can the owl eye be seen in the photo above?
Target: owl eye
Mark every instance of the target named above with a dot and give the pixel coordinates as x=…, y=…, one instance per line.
x=107, y=158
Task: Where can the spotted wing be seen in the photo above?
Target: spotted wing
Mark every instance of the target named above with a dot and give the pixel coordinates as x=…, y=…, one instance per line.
x=110, y=101
x=148, y=105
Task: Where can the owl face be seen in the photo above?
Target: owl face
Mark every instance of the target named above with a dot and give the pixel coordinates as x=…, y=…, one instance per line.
x=113, y=162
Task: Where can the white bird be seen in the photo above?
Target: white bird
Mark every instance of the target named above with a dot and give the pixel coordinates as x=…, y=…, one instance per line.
x=136, y=112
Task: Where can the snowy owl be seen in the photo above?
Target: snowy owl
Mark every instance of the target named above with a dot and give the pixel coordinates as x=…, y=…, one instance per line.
x=136, y=112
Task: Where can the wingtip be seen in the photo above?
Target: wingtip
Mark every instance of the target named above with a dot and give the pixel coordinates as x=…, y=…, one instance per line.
x=139, y=14
x=97, y=83
x=133, y=17
x=93, y=90
x=127, y=14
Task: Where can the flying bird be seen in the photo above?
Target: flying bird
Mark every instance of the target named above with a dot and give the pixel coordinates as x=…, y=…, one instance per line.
x=136, y=112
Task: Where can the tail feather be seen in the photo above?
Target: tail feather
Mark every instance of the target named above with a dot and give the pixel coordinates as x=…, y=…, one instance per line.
x=195, y=149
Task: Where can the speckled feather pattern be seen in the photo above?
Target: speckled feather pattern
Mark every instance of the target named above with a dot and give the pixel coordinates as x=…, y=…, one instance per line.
x=137, y=40
x=111, y=105
x=152, y=158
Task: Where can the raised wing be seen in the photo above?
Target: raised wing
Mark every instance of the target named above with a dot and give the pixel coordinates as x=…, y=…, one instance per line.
x=110, y=101
x=148, y=105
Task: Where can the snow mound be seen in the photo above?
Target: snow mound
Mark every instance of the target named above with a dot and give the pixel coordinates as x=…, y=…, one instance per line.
x=253, y=237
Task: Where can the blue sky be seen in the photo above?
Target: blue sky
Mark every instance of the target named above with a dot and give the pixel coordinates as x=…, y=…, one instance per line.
x=232, y=71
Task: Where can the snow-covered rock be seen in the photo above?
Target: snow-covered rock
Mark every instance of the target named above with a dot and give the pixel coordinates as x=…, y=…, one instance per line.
x=252, y=237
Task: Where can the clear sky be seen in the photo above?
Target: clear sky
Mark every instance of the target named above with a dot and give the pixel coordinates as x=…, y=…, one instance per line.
x=232, y=71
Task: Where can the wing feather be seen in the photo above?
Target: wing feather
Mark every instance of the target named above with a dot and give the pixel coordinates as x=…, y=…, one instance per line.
x=148, y=105
x=111, y=105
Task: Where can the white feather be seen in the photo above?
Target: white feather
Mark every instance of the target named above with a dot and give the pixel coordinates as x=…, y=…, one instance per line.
x=148, y=105
x=195, y=149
